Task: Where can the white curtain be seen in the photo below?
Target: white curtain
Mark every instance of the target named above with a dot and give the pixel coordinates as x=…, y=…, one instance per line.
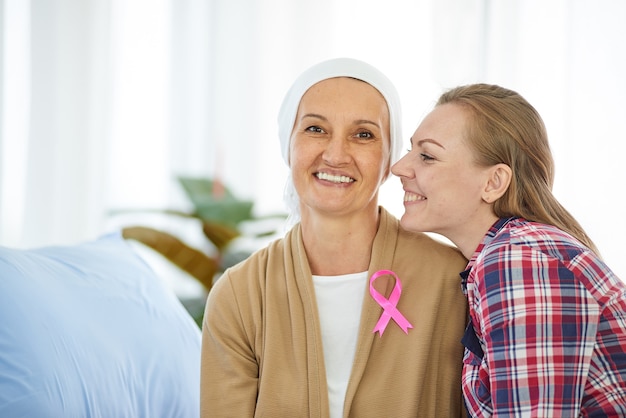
x=104, y=102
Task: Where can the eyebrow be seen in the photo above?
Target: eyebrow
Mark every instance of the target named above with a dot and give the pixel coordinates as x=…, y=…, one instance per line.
x=428, y=140
x=356, y=122
x=313, y=115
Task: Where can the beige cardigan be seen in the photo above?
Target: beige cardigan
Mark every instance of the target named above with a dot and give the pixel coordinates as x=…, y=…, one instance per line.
x=262, y=346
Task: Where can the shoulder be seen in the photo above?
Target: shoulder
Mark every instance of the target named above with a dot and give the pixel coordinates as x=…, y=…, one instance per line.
x=520, y=238
x=420, y=244
x=537, y=248
x=422, y=253
x=429, y=253
x=260, y=259
x=254, y=271
x=427, y=243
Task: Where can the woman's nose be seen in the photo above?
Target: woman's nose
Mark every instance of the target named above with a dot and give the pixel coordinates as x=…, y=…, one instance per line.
x=400, y=168
x=336, y=152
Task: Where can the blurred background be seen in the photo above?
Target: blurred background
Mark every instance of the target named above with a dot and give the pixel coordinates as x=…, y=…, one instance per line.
x=105, y=103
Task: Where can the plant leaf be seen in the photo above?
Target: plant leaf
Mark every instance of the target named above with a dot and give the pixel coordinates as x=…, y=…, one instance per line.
x=199, y=265
x=220, y=235
x=213, y=201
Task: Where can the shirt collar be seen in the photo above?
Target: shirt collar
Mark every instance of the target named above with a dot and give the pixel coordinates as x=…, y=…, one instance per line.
x=489, y=236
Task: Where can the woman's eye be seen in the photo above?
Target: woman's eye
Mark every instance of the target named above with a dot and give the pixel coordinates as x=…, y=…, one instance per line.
x=314, y=129
x=364, y=135
x=426, y=157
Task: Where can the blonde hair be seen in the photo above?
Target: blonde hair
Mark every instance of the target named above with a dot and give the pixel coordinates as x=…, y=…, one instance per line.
x=505, y=128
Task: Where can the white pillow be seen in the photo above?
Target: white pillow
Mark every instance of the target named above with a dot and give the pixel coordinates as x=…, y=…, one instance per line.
x=90, y=331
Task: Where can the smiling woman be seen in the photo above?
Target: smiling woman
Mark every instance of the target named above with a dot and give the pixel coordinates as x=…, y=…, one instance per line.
x=482, y=166
x=294, y=317
x=324, y=143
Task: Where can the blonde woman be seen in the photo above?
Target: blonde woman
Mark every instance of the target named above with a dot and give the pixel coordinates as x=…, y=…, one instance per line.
x=548, y=318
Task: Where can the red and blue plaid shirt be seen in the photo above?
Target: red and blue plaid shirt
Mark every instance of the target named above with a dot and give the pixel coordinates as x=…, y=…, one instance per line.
x=549, y=327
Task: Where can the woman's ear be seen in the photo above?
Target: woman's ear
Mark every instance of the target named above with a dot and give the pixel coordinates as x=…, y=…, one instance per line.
x=498, y=182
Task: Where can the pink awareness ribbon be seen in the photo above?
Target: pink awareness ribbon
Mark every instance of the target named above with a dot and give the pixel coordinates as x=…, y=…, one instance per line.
x=389, y=305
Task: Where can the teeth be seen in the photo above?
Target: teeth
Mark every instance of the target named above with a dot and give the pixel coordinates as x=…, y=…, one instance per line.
x=411, y=197
x=334, y=179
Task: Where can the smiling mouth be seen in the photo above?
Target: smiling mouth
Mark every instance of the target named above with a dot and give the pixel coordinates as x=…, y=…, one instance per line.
x=334, y=179
x=412, y=197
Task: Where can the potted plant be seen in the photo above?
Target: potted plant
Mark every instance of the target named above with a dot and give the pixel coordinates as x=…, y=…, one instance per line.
x=220, y=215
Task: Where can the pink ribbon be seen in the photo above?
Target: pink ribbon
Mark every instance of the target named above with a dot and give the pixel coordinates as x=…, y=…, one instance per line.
x=389, y=305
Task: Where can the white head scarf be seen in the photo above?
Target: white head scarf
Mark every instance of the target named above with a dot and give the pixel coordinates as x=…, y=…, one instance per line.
x=338, y=67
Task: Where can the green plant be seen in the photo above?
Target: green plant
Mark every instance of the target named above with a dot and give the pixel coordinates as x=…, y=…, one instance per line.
x=220, y=215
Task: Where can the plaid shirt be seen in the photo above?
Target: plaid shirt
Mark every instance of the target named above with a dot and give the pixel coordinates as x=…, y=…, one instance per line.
x=549, y=327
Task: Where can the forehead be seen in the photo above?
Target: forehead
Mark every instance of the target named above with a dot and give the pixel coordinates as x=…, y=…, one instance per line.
x=444, y=123
x=342, y=87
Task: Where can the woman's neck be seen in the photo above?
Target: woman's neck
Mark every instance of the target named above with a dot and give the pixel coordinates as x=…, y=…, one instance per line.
x=337, y=246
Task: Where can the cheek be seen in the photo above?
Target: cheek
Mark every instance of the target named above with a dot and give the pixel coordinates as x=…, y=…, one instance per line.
x=460, y=199
x=430, y=181
x=300, y=154
x=294, y=151
x=383, y=169
x=378, y=161
x=299, y=168
x=446, y=189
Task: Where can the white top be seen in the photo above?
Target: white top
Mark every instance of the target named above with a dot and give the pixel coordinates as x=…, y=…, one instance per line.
x=339, y=302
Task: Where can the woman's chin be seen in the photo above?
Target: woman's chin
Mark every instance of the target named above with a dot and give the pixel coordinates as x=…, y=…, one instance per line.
x=410, y=223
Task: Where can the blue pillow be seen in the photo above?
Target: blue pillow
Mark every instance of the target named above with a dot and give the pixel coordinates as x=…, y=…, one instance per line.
x=90, y=331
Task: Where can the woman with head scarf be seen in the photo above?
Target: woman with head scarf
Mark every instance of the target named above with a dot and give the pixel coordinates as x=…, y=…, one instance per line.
x=348, y=315
x=548, y=317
